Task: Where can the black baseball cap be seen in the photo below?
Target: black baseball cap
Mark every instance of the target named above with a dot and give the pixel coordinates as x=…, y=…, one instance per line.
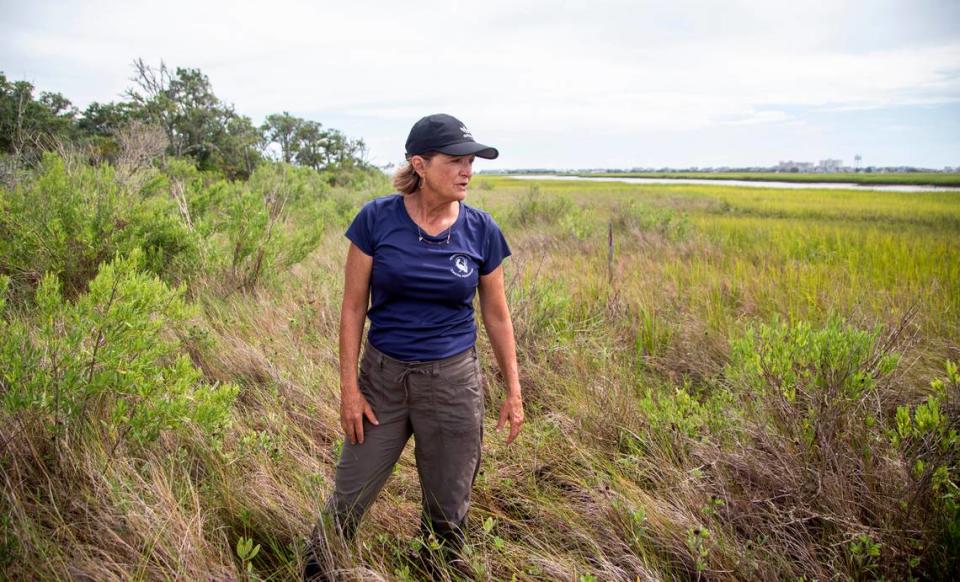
x=445, y=134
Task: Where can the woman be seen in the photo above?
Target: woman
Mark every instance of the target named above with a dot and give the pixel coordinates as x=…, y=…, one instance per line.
x=415, y=262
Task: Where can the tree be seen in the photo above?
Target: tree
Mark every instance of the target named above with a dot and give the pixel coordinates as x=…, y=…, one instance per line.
x=196, y=122
x=307, y=143
x=237, y=149
x=180, y=103
x=101, y=124
x=283, y=129
x=312, y=141
x=29, y=124
x=105, y=119
x=343, y=151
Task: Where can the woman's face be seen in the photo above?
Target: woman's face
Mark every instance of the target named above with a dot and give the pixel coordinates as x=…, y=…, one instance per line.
x=448, y=176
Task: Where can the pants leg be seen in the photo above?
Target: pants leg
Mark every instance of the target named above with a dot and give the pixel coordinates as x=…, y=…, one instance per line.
x=446, y=412
x=364, y=468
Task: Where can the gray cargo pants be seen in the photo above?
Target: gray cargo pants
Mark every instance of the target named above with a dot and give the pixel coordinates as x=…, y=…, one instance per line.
x=440, y=403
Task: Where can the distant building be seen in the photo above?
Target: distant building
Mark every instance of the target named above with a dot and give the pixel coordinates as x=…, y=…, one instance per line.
x=829, y=165
x=794, y=167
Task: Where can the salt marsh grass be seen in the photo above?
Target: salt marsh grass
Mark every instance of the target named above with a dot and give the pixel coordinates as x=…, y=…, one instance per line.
x=759, y=391
x=951, y=179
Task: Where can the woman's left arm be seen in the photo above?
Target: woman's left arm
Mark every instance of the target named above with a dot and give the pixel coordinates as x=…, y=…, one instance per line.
x=496, y=320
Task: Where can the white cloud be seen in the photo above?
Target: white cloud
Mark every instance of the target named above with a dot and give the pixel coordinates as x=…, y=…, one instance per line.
x=611, y=68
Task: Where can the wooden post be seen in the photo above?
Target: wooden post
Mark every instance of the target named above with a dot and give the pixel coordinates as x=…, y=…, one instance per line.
x=610, y=250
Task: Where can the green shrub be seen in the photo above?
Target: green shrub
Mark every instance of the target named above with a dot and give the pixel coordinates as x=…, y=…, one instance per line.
x=927, y=436
x=676, y=417
x=108, y=361
x=535, y=208
x=361, y=179
x=812, y=383
x=816, y=404
x=62, y=221
x=482, y=184
x=543, y=310
x=296, y=184
x=578, y=223
x=272, y=221
x=171, y=248
x=634, y=214
x=69, y=218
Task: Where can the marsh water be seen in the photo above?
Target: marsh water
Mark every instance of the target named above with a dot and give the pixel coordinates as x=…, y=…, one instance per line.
x=749, y=183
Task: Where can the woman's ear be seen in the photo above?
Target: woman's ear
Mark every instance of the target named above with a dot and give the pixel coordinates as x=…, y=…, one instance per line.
x=417, y=162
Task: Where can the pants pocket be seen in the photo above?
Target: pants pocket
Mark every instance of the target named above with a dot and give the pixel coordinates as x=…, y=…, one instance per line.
x=459, y=398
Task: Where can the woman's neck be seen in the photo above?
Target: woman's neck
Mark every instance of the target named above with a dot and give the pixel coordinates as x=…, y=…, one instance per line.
x=431, y=212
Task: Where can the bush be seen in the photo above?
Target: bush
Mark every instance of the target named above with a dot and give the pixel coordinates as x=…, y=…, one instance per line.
x=71, y=217
x=275, y=220
x=296, y=184
x=171, y=249
x=635, y=215
x=844, y=477
x=927, y=436
x=63, y=222
x=543, y=309
x=818, y=386
x=535, y=208
x=108, y=361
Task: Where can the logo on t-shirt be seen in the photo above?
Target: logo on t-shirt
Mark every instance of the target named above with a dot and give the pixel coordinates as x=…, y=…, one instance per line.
x=461, y=266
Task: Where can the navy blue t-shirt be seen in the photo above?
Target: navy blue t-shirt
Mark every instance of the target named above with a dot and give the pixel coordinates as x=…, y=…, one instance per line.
x=421, y=305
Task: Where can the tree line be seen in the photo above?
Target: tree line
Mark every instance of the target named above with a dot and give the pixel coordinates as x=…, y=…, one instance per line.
x=173, y=109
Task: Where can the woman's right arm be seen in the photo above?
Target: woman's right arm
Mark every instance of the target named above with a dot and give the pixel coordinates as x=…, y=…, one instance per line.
x=353, y=312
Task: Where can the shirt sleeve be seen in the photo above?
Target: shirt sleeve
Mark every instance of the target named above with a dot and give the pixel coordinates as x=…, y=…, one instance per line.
x=495, y=247
x=360, y=232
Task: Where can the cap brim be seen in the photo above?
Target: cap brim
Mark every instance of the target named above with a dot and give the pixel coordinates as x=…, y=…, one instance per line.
x=470, y=148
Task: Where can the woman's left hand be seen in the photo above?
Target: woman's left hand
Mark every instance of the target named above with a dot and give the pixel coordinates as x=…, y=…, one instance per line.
x=496, y=318
x=512, y=412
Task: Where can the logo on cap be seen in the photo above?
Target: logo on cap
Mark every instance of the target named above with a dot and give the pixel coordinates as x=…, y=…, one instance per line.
x=466, y=132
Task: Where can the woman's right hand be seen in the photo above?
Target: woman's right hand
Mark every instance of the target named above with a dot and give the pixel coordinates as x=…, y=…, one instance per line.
x=356, y=294
x=353, y=407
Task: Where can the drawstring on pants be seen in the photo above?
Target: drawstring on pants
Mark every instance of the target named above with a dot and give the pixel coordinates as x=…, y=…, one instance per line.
x=429, y=369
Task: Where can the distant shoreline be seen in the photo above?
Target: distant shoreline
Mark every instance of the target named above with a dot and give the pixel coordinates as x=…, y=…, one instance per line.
x=862, y=178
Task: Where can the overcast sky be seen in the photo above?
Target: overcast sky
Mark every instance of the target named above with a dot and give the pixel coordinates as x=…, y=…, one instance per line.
x=606, y=83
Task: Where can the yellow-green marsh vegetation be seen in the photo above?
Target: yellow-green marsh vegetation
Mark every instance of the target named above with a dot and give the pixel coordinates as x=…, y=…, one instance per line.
x=950, y=179
x=758, y=385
